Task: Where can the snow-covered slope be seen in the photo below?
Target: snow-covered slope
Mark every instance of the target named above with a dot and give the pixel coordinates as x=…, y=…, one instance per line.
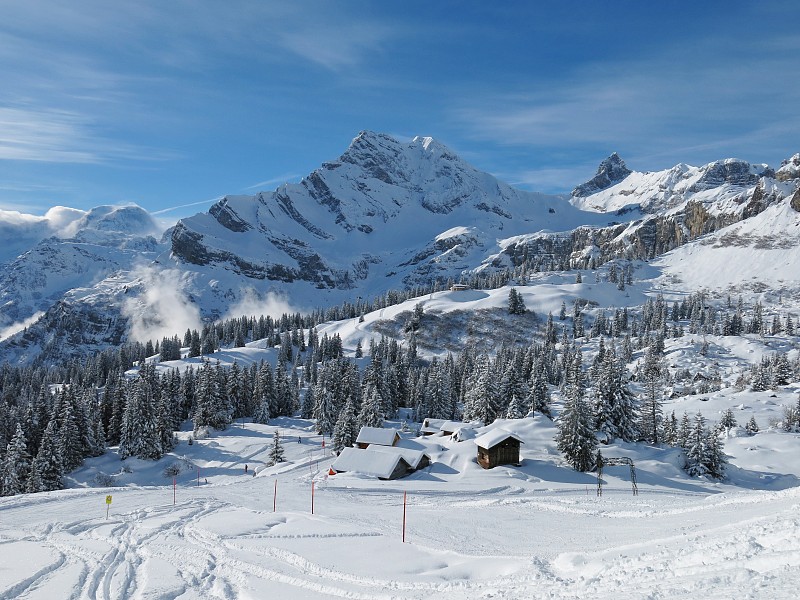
x=759, y=254
x=512, y=532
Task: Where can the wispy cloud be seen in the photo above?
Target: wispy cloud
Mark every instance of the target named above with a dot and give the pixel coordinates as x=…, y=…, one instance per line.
x=673, y=105
x=189, y=205
x=280, y=179
x=44, y=135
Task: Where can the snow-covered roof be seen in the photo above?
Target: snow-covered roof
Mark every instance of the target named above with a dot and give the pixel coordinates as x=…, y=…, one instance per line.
x=376, y=463
x=494, y=437
x=411, y=456
x=377, y=435
x=452, y=426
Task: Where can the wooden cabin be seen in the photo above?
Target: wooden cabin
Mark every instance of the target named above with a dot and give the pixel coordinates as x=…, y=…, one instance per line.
x=459, y=287
x=417, y=459
x=379, y=436
x=381, y=464
x=498, y=447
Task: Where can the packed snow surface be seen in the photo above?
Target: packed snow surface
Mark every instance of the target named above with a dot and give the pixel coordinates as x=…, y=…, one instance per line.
x=534, y=531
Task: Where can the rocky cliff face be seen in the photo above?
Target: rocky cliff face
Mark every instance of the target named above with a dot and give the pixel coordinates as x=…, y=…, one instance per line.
x=611, y=171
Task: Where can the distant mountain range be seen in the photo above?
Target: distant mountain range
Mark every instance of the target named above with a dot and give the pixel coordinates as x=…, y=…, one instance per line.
x=385, y=215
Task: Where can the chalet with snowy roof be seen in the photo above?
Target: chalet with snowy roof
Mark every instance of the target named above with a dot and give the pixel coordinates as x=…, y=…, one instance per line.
x=448, y=428
x=498, y=447
x=431, y=426
x=459, y=287
x=369, y=436
x=417, y=459
x=383, y=463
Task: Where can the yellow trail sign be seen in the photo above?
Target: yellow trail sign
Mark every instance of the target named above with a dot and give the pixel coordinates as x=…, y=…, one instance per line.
x=108, y=499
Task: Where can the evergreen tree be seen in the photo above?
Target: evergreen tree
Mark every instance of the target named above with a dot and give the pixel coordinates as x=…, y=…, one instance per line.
x=728, y=420
x=262, y=414
x=139, y=435
x=346, y=430
x=615, y=411
x=752, y=426
x=325, y=411
x=575, y=439
x=516, y=305
x=69, y=443
x=276, y=453
x=539, y=392
x=46, y=470
x=16, y=465
x=651, y=413
x=370, y=415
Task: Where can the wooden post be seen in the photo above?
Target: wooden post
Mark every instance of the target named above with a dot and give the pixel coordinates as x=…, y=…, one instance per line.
x=312, y=497
x=198, y=476
x=275, y=498
x=174, y=484
x=404, y=517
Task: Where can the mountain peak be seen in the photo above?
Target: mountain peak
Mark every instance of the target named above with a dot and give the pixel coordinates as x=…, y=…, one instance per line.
x=611, y=171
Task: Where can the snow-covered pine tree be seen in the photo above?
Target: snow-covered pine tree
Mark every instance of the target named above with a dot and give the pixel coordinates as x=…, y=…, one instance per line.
x=704, y=454
x=46, y=471
x=139, y=436
x=539, y=391
x=696, y=449
x=276, y=453
x=482, y=398
x=728, y=420
x=69, y=444
x=615, y=410
x=346, y=430
x=371, y=415
x=651, y=412
x=16, y=465
x=307, y=406
x=575, y=438
x=325, y=411
x=516, y=305
x=752, y=426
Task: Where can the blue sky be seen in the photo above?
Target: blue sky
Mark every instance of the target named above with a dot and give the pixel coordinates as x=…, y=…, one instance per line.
x=173, y=104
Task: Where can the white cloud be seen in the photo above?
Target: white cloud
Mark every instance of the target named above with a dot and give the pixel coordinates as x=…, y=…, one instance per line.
x=17, y=327
x=692, y=105
x=163, y=309
x=253, y=303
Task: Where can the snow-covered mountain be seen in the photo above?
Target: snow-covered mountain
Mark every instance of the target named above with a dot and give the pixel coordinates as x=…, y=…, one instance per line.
x=88, y=248
x=385, y=215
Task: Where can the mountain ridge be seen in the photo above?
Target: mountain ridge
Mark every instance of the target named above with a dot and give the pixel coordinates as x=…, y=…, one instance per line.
x=384, y=215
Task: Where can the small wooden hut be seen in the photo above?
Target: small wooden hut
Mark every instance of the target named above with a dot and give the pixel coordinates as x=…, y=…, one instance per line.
x=369, y=436
x=498, y=447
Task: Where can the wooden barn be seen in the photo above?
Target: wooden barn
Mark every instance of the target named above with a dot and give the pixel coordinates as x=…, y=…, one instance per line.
x=498, y=447
x=378, y=436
